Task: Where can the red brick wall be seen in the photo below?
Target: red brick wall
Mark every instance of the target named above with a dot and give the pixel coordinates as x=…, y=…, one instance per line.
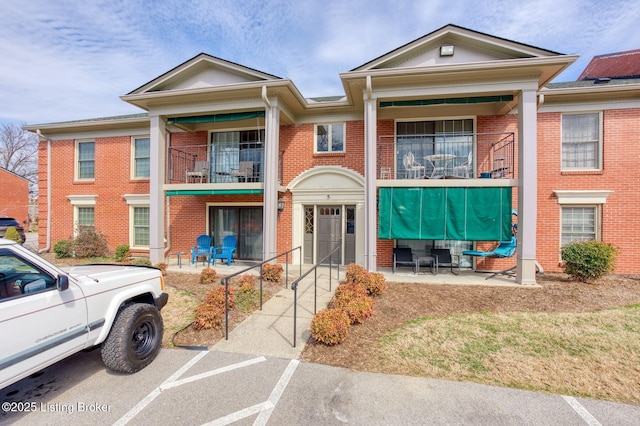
x=14, y=197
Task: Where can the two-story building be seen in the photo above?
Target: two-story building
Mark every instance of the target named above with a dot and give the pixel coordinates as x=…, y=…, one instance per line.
x=435, y=144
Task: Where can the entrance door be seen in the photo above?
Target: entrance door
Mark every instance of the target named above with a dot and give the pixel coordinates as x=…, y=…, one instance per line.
x=243, y=222
x=329, y=230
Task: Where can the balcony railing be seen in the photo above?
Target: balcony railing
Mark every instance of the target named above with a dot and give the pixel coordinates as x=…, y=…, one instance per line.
x=446, y=156
x=216, y=163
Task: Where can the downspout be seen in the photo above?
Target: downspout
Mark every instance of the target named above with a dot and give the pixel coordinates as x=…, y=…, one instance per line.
x=167, y=199
x=48, y=240
x=540, y=99
x=264, y=97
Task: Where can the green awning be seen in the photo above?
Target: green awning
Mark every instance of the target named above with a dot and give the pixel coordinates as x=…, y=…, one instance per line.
x=215, y=118
x=446, y=101
x=174, y=192
x=470, y=214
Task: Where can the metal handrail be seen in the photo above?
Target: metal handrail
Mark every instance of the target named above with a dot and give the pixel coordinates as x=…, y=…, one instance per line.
x=294, y=286
x=226, y=279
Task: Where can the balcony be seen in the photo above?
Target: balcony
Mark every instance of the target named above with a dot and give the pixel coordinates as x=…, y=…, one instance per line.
x=221, y=163
x=446, y=156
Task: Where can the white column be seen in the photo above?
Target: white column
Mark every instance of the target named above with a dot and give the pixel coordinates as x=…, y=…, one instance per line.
x=157, y=145
x=270, y=196
x=370, y=136
x=527, y=187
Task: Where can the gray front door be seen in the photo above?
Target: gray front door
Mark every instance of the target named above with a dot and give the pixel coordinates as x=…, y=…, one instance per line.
x=329, y=231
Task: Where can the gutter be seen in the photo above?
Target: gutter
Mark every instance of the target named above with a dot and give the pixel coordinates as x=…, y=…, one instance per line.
x=48, y=243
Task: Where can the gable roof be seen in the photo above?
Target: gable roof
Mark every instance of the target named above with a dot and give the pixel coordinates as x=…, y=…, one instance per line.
x=613, y=65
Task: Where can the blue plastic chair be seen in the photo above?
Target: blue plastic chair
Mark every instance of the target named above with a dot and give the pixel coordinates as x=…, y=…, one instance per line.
x=202, y=248
x=226, y=251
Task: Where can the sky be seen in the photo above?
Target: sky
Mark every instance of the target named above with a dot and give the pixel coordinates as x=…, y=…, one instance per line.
x=66, y=60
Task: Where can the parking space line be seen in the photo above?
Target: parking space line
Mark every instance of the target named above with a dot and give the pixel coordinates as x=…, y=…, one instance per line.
x=240, y=414
x=277, y=392
x=582, y=412
x=221, y=370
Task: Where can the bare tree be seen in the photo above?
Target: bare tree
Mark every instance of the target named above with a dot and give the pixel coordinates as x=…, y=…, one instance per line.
x=19, y=153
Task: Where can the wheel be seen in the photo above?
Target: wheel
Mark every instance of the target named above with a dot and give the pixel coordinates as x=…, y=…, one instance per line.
x=134, y=339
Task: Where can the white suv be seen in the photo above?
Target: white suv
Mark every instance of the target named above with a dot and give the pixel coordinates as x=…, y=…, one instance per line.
x=47, y=314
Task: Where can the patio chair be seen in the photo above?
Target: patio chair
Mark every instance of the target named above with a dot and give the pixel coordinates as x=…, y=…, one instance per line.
x=465, y=169
x=412, y=168
x=226, y=251
x=201, y=249
x=403, y=256
x=443, y=257
x=200, y=171
x=244, y=171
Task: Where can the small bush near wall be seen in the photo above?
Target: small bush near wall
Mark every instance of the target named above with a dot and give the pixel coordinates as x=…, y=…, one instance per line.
x=122, y=253
x=247, y=296
x=90, y=243
x=330, y=326
x=586, y=261
x=210, y=313
x=12, y=234
x=272, y=272
x=63, y=249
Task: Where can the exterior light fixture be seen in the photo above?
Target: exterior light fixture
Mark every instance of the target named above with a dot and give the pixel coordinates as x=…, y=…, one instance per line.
x=280, y=204
x=446, y=50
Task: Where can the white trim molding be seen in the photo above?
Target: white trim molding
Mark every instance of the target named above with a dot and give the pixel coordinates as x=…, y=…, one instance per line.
x=137, y=199
x=82, y=200
x=582, y=196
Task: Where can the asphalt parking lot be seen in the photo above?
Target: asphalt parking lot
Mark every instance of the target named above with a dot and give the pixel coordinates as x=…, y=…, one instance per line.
x=211, y=387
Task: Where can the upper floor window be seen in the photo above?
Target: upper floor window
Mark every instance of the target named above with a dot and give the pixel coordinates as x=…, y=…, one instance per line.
x=581, y=141
x=85, y=154
x=330, y=137
x=141, y=158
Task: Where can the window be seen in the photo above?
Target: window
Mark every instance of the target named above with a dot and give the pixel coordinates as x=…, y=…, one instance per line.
x=579, y=223
x=86, y=159
x=330, y=137
x=19, y=277
x=581, y=141
x=141, y=158
x=84, y=219
x=140, y=237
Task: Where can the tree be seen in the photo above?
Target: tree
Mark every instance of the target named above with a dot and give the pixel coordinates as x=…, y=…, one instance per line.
x=19, y=153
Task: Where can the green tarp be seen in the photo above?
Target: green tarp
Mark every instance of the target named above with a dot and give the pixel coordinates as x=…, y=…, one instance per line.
x=216, y=118
x=470, y=214
x=445, y=101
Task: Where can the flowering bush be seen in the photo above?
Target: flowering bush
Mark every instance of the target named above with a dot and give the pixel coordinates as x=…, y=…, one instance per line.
x=330, y=326
x=272, y=272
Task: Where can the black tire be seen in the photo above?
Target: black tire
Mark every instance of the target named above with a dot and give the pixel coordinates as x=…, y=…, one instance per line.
x=134, y=340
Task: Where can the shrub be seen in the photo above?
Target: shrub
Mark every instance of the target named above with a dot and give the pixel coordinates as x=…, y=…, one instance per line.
x=122, y=253
x=208, y=316
x=90, y=243
x=357, y=308
x=12, y=234
x=272, y=272
x=350, y=291
x=330, y=326
x=376, y=284
x=208, y=276
x=141, y=261
x=162, y=266
x=63, y=249
x=216, y=297
x=355, y=273
x=586, y=261
x=247, y=296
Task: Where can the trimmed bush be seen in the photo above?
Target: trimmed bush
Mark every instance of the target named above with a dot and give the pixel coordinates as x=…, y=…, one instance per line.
x=330, y=326
x=90, y=243
x=586, y=261
x=12, y=234
x=247, y=297
x=376, y=284
x=350, y=291
x=208, y=316
x=355, y=273
x=272, y=272
x=162, y=266
x=357, y=308
x=141, y=261
x=208, y=276
x=216, y=297
x=122, y=253
x=63, y=249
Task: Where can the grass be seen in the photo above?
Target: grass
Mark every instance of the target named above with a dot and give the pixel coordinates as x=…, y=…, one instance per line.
x=594, y=354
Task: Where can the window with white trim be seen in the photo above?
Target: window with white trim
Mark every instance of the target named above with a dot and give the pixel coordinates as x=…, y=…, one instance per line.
x=141, y=156
x=579, y=223
x=329, y=137
x=581, y=141
x=140, y=226
x=85, y=156
x=85, y=219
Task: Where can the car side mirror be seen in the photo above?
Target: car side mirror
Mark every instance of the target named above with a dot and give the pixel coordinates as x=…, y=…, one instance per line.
x=62, y=282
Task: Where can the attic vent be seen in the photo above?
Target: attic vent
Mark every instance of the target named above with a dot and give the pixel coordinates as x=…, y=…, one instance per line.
x=602, y=80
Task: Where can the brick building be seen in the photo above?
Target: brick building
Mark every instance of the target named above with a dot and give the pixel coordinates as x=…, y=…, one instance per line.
x=435, y=144
x=14, y=197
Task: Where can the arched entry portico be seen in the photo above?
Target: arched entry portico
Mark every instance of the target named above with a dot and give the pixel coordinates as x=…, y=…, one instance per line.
x=328, y=210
